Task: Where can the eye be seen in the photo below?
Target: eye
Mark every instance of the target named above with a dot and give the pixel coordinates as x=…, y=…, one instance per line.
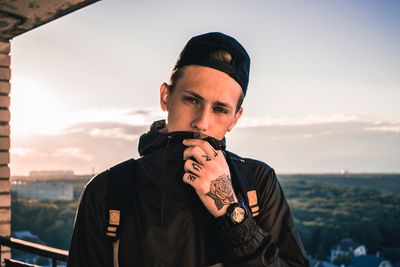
x=219, y=109
x=191, y=100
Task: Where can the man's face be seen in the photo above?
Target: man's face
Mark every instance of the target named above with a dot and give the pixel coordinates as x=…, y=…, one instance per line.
x=203, y=100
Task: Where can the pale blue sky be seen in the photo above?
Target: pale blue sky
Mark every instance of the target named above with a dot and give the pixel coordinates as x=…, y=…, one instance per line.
x=319, y=68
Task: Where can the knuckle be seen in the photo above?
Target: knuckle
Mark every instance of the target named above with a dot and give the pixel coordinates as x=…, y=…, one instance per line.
x=188, y=152
x=187, y=164
x=197, y=149
x=185, y=178
x=203, y=189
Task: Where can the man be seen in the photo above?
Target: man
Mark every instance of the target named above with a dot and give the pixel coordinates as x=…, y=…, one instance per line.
x=188, y=201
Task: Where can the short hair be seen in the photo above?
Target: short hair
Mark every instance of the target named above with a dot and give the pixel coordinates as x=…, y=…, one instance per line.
x=219, y=55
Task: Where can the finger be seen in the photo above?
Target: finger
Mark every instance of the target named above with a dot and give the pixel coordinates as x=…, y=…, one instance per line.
x=193, y=167
x=196, y=153
x=203, y=145
x=190, y=179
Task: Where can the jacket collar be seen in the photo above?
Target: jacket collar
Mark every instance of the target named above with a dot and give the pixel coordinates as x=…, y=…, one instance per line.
x=156, y=138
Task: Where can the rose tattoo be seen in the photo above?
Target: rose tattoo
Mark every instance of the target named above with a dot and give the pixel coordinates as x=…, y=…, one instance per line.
x=221, y=191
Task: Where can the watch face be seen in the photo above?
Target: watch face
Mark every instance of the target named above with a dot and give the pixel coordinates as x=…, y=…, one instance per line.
x=238, y=214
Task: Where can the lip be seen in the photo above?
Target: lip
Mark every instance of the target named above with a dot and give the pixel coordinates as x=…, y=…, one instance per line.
x=199, y=135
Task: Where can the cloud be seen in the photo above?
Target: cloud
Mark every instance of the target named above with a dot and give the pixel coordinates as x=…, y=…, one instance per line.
x=287, y=121
x=320, y=144
x=304, y=135
x=79, y=147
x=71, y=152
x=116, y=130
x=113, y=133
x=69, y=120
x=358, y=145
x=21, y=151
x=384, y=127
x=148, y=112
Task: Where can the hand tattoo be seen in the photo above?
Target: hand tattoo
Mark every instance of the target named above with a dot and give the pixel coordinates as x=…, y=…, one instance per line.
x=221, y=191
x=192, y=177
x=196, y=166
x=207, y=157
x=215, y=153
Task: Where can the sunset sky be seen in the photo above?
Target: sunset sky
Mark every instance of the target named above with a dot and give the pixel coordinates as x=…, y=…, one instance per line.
x=324, y=90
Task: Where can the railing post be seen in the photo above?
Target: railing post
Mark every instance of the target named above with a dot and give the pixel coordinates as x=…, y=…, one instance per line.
x=54, y=261
x=5, y=197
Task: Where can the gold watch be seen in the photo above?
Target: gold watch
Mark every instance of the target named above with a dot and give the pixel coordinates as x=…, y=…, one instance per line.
x=236, y=212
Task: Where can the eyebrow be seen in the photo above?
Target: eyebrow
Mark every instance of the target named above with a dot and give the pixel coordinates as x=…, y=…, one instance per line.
x=217, y=103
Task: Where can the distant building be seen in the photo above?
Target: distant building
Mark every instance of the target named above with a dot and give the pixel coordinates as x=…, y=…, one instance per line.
x=344, y=171
x=27, y=236
x=360, y=251
x=27, y=257
x=317, y=263
x=345, y=248
x=43, y=190
x=67, y=175
x=53, y=175
x=385, y=264
x=356, y=255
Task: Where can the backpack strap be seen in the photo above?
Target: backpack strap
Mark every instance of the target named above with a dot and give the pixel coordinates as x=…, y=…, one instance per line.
x=119, y=190
x=244, y=180
x=115, y=253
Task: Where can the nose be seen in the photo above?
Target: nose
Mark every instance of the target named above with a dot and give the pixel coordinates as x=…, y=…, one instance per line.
x=201, y=121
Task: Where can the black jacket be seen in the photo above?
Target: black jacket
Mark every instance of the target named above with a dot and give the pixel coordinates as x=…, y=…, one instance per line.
x=167, y=225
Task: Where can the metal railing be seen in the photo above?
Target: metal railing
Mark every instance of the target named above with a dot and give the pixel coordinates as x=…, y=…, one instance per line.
x=48, y=252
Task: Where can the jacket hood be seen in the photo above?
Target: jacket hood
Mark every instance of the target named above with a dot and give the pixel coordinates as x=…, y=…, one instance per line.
x=157, y=138
x=162, y=158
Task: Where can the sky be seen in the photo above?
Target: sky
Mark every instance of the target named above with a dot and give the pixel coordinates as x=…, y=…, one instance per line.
x=323, y=95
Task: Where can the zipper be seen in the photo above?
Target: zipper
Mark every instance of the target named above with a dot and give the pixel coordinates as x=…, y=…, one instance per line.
x=163, y=182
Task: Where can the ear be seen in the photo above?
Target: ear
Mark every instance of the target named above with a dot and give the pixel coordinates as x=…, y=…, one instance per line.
x=238, y=114
x=164, y=96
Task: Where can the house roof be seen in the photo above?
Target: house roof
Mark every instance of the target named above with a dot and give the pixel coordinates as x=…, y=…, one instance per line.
x=366, y=261
x=24, y=234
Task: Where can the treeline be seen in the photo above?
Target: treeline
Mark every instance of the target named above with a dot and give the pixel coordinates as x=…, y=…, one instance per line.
x=324, y=214
x=51, y=221
x=381, y=181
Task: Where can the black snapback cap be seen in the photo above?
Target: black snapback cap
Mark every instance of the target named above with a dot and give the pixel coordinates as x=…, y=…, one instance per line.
x=197, y=52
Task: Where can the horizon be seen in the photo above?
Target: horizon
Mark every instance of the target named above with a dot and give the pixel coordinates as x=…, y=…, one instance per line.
x=299, y=173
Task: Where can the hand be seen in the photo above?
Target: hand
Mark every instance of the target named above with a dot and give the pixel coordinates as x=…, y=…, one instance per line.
x=207, y=171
